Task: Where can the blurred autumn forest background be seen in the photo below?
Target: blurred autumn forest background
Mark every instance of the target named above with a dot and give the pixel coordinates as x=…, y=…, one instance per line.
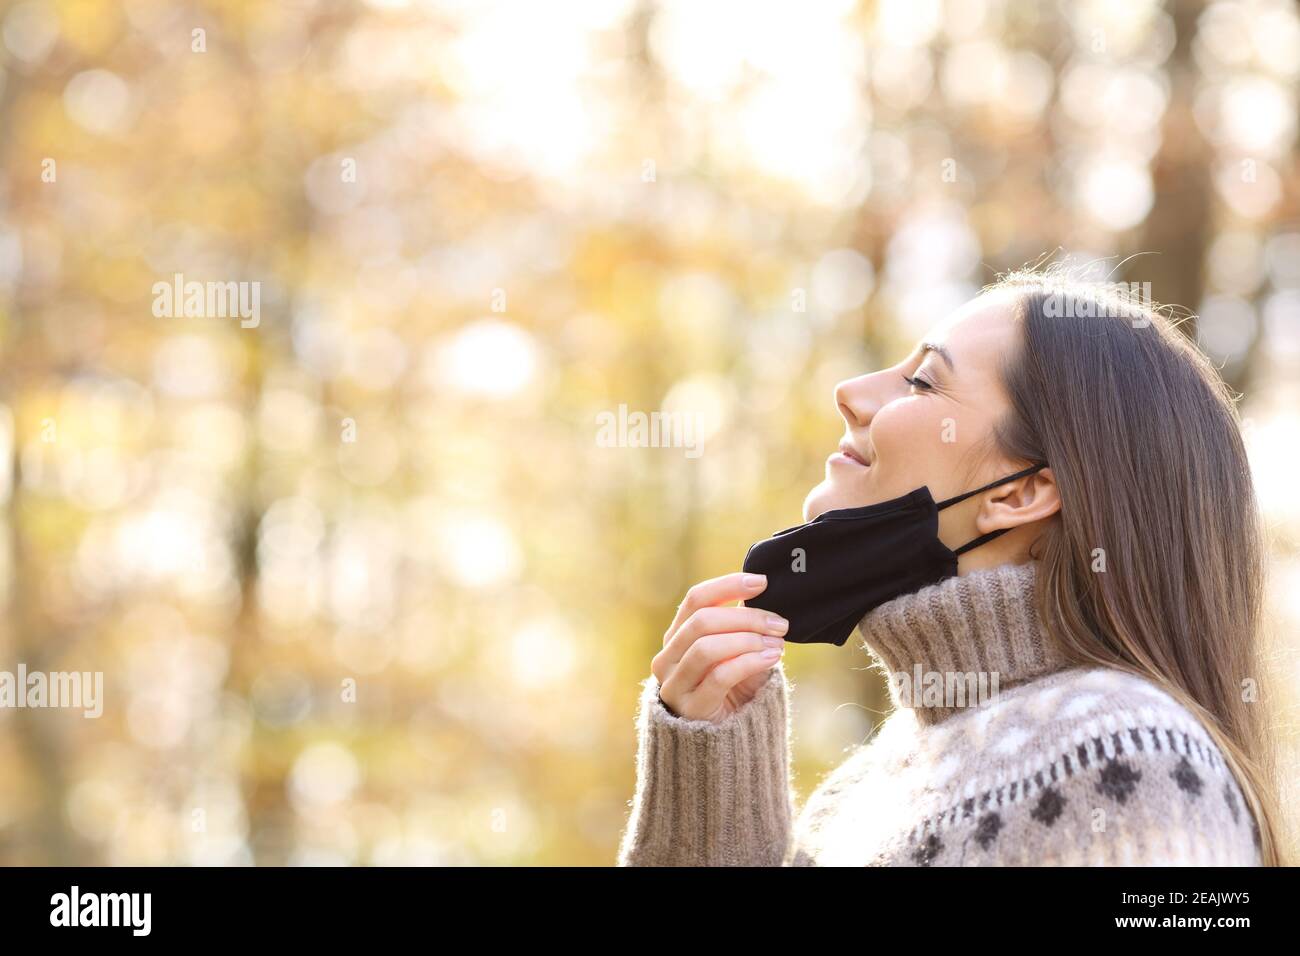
x=363, y=586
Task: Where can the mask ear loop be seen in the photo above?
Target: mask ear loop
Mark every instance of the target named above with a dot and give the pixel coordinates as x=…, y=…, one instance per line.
x=992, y=484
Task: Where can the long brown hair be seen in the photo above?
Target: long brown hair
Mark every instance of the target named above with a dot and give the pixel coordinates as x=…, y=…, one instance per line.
x=1144, y=440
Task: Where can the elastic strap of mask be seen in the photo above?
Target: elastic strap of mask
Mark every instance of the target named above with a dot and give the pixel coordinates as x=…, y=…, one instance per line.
x=980, y=540
x=992, y=484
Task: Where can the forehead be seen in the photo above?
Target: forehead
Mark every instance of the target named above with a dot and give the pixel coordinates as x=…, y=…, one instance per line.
x=979, y=331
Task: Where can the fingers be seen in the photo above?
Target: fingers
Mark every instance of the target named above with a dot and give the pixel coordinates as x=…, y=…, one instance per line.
x=720, y=590
x=709, y=652
x=709, y=648
x=708, y=696
x=718, y=620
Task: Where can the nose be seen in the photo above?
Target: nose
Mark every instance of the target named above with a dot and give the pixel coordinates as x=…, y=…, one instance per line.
x=857, y=400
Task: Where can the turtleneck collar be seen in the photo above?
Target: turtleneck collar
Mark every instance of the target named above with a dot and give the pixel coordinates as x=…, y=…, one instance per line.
x=983, y=624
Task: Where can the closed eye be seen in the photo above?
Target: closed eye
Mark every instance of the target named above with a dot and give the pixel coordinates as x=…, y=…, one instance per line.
x=917, y=382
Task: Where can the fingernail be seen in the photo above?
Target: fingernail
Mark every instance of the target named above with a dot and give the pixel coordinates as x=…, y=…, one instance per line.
x=772, y=654
x=774, y=642
x=777, y=625
x=755, y=580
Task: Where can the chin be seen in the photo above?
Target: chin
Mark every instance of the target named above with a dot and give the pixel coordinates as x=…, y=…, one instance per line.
x=829, y=496
x=817, y=502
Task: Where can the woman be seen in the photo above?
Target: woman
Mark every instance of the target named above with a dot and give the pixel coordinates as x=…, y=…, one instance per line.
x=1117, y=609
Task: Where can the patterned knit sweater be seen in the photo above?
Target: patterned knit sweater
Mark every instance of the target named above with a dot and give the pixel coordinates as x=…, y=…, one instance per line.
x=1055, y=765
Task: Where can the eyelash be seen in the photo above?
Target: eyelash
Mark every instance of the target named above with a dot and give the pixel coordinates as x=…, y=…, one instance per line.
x=917, y=383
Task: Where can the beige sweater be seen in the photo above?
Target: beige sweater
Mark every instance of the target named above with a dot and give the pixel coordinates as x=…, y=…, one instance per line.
x=1055, y=765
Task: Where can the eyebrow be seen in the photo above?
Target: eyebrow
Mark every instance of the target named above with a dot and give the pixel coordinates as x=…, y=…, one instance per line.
x=943, y=352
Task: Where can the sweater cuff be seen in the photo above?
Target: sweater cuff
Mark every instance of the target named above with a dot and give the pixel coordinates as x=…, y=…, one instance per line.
x=712, y=794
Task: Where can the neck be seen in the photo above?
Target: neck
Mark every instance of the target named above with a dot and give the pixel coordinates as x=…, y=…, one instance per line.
x=953, y=644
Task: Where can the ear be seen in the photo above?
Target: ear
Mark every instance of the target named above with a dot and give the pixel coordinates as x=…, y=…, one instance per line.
x=1018, y=502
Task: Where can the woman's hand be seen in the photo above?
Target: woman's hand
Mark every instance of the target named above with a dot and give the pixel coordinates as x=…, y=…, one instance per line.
x=716, y=657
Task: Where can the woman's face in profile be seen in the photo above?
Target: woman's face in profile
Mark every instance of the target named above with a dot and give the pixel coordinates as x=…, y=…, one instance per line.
x=901, y=435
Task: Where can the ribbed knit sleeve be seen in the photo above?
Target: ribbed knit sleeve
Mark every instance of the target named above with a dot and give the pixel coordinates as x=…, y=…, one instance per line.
x=712, y=794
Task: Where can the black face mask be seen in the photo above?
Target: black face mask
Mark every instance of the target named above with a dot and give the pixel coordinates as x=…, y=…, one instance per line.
x=825, y=575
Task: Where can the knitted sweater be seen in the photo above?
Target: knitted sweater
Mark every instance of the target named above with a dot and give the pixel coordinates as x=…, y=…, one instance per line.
x=1055, y=765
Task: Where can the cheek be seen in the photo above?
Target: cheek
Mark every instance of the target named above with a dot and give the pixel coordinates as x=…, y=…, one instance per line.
x=906, y=429
x=923, y=442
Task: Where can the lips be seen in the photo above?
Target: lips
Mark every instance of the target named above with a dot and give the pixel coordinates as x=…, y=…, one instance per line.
x=848, y=451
